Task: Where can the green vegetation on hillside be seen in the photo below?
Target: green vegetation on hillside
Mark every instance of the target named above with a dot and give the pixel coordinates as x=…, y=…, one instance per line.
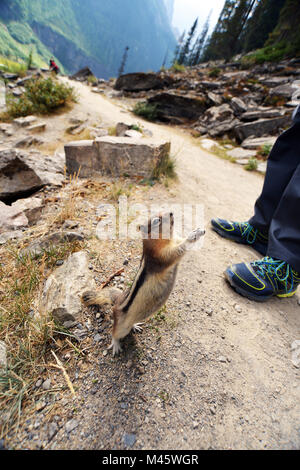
x=89, y=33
x=268, y=27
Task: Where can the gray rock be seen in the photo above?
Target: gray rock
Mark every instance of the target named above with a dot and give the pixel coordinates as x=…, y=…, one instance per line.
x=11, y=219
x=253, y=143
x=61, y=296
x=274, y=81
x=238, y=106
x=284, y=91
x=129, y=440
x=71, y=425
x=218, y=113
x=115, y=156
x=28, y=142
x=37, y=248
x=40, y=127
x=47, y=384
x=121, y=128
x=142, y=82
x=221, y=128
x=214, y=98
x=133, y=134
x=241, y=153
x=262, y=127
x=21, y=172
x=3, y=355
x=262, y=113
x=6, y=236
x=25, y=121
x=52, y=430
x=178, y=109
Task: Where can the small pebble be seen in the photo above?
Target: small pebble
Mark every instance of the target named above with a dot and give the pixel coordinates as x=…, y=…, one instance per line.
x=129, y=439
x=71, y=425
x=47, y=384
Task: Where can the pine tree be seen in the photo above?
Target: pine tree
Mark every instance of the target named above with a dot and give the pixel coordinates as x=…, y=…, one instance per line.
x=178, y=48
x=185, y=51
x=200, y=43
x=225, y=40
x=123, y=63
x=261, y=24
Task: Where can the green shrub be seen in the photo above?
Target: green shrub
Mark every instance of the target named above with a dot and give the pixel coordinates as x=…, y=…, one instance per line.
x=214, y=73
x=265, y=150
x=176, y=67
x=42, y=96
x=165, y=168
x=146, y=110
x=92, y=79
x=252, y=164
x=273, y=53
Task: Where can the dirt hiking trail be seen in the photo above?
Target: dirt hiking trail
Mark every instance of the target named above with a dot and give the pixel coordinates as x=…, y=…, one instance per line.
x=218, y=372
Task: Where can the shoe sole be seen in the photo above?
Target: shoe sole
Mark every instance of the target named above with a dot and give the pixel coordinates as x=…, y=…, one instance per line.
x=257, y=298
x=237, y=240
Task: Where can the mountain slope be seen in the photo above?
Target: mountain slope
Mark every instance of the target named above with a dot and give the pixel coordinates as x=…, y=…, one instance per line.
x=93, y=32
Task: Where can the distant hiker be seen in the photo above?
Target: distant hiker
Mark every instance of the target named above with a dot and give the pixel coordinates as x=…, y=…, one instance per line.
x=274, y=230
x=53, y=66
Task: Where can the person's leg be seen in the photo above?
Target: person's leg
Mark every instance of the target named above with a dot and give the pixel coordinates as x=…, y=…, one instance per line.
x=278, y=274
x=282, y=163
x=284, y=234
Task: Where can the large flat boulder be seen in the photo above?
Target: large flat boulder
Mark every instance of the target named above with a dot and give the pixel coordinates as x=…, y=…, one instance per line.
x=285, y=91
x=115, y=156
x=262, y=127
x=61, y=297
x=261, y=113
x=22, y=173
x=253, y=143
x=142, y=82
x=178, y=109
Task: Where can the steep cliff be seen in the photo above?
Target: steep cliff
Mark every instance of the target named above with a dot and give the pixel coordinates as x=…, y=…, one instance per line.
x=93, y=32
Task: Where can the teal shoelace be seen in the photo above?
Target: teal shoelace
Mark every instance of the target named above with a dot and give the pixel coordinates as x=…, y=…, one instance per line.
x=281, y=270
x=248, y=232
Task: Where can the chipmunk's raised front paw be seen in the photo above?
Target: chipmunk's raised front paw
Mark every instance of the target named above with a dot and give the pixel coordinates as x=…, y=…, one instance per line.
x=137, y=327
x=195, y=235
x=116, y=347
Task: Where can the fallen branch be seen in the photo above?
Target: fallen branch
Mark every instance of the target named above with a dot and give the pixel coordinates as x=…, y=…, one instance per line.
x=117, y=273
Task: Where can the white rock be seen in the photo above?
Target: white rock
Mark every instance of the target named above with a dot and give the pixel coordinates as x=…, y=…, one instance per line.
x=25, y=121
x=241, y=153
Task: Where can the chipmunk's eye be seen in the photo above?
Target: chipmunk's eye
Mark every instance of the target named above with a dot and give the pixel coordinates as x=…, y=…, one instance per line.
x=156, y=221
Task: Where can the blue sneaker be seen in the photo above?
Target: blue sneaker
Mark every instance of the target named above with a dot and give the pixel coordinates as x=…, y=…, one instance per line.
x=263, y=279
x=241, y=232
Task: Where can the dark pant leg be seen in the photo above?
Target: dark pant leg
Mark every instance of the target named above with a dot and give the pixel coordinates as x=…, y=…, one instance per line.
x=282, y=163
x=284, y=233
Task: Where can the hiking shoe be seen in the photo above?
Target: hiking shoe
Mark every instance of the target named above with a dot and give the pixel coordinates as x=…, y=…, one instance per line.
x=263, y=279
x=241, y=232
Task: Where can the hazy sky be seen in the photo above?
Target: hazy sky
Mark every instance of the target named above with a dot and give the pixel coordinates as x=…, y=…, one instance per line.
x=186, y=11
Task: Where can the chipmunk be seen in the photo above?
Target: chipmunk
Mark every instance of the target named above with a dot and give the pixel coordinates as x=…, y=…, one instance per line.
x=153, y=283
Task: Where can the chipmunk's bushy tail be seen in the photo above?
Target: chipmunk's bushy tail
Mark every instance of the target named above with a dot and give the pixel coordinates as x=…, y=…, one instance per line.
x=101, y=297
